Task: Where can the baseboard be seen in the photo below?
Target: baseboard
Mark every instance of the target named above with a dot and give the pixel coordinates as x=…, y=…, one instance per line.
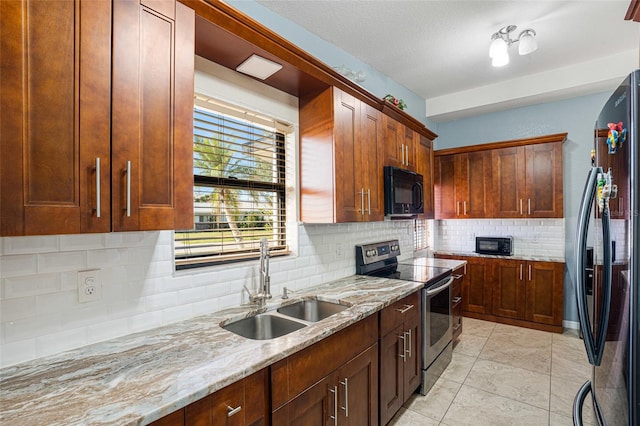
x=574, y=325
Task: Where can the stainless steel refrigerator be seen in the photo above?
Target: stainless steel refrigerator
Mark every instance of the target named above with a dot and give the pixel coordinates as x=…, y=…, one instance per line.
x=609, y=222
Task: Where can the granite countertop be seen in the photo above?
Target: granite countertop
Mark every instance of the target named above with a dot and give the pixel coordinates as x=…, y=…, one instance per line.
x=438, y=263
x=142, y=377
x=515, y=257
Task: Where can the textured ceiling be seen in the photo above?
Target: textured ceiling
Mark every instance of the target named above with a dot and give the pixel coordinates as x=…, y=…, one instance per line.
x=435, y=48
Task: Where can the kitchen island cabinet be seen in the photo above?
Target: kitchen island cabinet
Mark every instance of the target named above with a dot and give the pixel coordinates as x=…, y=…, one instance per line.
x=341, y=172
x=400, y=354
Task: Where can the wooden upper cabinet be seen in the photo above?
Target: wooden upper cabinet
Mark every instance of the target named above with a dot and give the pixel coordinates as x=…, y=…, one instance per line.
x=401, y=144
x=461, y=185
x=152, y=119
x=425, y=166
x=341, y=176
x=55, y=96
x=528, y=181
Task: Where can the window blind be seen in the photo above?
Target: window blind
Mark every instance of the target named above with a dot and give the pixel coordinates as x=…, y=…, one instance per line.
x=239, y=188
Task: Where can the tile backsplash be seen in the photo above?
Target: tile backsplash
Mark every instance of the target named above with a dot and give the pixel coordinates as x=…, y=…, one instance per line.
x=39, y=310
x=531, y=237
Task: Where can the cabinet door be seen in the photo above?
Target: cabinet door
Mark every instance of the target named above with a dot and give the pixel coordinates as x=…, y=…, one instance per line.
x=349, y=201
x=152, y=120
x=508, y=182
x=358, y=389
x=444, y=187
x=369, y=149
x=544, y=180
x=425, y=166
x=55, y=96
x=393, y=142
x=476, y=290
x=391, y=373
x=508, y=287
x=412, y=365
x=475, y=168
x=544, y=292
x=313, y=407
x=411, y=142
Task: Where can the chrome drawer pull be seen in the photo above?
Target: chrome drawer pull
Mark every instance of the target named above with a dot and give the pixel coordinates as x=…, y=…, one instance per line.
x=457, y=326
x=346, y=396
x=128, y=204
x=231, y=411
x=457, y=277
x=405, y=309
x=404, y=346
x=457, y=299
x=334, y=391
x=97, y=186
x=409, y=345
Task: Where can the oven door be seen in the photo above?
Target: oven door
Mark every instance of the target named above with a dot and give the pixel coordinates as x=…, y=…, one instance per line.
x=437, y=323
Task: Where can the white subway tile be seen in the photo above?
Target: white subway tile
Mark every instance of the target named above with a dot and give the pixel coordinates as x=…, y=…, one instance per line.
x=31, y=327
x=145, y=321
x=62, y=301
x=16, y=265
x=177, y=313
x=19, y=308
x=61, y=341
x=105, y=257
x=107, y=330
x=16, y=352
x=62, y=261
x=81, y=242
x=84, y=315
x=204, y=307
x=125, y=308
x=29, y=245
x=160, y=301
x=30, y=285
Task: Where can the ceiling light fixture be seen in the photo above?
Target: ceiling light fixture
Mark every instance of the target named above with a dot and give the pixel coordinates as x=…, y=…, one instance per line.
x=259, y=67
x=501, y=41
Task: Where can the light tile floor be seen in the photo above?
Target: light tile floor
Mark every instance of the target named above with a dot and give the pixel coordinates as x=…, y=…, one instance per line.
x=504, y=375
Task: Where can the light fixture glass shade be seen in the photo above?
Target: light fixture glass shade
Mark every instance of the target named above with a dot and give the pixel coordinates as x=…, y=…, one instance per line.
x=498, y=48
x=500, y=60
x=528, y=43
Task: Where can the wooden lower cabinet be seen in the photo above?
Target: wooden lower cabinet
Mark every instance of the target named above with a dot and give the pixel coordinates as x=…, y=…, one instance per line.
x=511, y=291
x=244, y=402
x=459, y=277
x=400, y=355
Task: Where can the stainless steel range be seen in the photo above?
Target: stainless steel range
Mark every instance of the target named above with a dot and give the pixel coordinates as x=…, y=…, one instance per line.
x=381, y=260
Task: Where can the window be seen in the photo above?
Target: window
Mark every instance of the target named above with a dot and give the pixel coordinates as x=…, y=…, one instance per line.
x=239, y=187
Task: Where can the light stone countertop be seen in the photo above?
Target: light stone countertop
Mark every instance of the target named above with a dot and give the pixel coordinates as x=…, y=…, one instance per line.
x=438, y=263
x=142, y=377
x=514, y=257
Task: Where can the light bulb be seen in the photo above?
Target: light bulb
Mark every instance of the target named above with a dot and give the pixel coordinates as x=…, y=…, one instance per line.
x=498, y=47
x=500, y=60
x=527, y=43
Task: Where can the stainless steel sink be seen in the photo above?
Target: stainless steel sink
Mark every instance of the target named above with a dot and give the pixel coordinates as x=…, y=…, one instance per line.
x=263, y=327
x=311, y=310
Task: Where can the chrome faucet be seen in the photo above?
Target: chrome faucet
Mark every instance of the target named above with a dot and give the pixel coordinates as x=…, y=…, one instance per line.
x=264, y=292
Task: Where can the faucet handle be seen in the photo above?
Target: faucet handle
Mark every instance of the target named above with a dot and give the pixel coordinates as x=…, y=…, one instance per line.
x=285, y=293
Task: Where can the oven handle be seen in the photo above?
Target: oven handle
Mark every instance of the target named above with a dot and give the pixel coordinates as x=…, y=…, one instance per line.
x=435, y=290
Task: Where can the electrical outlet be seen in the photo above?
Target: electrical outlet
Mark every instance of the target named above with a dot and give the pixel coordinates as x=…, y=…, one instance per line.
x=339, y=250
x=89, y=286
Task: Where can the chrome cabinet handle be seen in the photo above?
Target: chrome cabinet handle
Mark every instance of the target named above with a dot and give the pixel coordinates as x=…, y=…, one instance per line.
x=456, y=300
x=404, y=347
x=231, y=411
x=521, y=265
x=334, y=391
x=521, y=212
x=529, y=272
x=406, y=153
x=369, y=200
x=346, y=396
x=410, y=343
x=529, y=206
x=97, y=186
x=457, y=326
x=402, y=159
x=405, y=309
x=464, y=204
x=361, y=192
x=457, y=208
x=457, y=277
x=128, y=173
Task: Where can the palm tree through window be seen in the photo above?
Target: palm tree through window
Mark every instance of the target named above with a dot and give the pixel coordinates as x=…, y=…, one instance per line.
x=239, y=190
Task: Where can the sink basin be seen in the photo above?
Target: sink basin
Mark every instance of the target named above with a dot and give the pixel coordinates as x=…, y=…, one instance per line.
x=263, y=327
x=311, y=310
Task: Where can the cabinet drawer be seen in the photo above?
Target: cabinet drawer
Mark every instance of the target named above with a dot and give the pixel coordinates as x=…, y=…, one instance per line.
x=298, y=372
x=397, y=313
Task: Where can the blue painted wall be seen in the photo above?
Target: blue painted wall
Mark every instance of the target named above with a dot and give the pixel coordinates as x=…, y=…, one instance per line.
x=376, y=82
x=576, y=117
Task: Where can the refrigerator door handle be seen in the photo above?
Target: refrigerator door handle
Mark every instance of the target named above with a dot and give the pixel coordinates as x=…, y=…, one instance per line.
x=605, y=299
x=578, y=402
x=581, y=250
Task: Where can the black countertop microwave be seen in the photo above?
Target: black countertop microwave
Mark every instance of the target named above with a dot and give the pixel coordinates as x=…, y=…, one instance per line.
x=500, y=246
x=403, y=193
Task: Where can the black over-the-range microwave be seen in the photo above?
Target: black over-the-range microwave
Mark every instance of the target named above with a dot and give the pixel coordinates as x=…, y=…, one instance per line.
x=500, y=246
x=403, y=193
